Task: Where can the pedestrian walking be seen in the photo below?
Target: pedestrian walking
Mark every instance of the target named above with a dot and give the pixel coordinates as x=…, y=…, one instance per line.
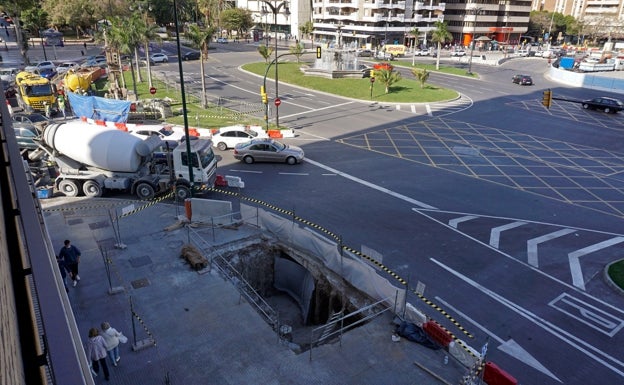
x=84, y=44
x=96, y=351
x=112, y=338
x=47, y=109
x=63, y=269
x=61, y=104
x=71, y=255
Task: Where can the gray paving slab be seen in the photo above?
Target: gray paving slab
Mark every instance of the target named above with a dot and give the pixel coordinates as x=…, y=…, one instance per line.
x=204, y=331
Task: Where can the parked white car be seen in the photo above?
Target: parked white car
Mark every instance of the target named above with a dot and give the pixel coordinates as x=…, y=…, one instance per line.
x=64, y=67
x=163, y=132
x=458, y=52
x=44, y=65
x=229, y=137
x=421, y=52
x=8, y=74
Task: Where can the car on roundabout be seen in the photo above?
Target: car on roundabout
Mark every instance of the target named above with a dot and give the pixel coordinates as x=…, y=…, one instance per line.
x=191, y=55
x=458, y=52
x=268, y=150
x=421, y=52
x=159, y=58
x=222, y=40
x=523, y=80
x=66, y=66
x=604, y=103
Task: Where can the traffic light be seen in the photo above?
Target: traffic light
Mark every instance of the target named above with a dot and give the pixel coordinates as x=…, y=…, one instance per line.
x=263, y=94
x=547, y=98
x=318, y=52
x=372, y=74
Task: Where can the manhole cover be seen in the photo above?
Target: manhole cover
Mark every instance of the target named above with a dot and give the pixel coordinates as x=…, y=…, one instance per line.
x=140, y=261
x=139, y=283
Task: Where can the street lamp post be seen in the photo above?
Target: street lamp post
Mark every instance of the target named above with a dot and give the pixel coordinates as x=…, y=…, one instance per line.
x=475, y=11
x=275, y=9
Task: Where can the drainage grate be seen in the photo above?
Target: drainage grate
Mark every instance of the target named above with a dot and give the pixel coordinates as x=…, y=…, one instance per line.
x=98, y=225
x=140, y=283
x=76, y=221
x=140, y=261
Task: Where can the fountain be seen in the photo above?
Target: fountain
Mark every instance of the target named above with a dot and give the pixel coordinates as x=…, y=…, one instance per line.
x=337, y=63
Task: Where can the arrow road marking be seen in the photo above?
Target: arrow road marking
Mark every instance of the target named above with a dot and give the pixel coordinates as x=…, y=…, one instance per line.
x=533, y=243
x=510, y=346
x=572, y=340
x=575, y=256
x=496, y=231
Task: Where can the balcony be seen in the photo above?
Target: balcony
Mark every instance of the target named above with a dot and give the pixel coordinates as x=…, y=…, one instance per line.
x=341, y=16
x=419, y=5
x=385, y=4
x=374, y=18
x=340, y=4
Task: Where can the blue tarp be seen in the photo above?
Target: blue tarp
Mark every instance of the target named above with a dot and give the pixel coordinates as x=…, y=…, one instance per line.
x=98, y=108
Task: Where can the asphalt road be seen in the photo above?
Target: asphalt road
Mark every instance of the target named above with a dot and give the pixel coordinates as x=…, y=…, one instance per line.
x=505, y=212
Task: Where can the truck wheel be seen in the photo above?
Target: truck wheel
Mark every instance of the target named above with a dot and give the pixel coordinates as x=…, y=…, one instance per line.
x=182, y=192
x=69, y=188
x=222, y=146
x=145, y=191
x=248, y=159
x=92, y=189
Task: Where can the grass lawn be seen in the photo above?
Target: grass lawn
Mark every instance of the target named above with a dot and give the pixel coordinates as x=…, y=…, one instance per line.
x=616, y=273
x=404, y=91
x=431, y=67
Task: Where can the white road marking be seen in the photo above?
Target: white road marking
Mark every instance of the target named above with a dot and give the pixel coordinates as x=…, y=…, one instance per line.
x=510, y=346
x=247, y=171
x=572, y=340
x=575, y=256
x=370, y=185
x=316, y=109
x=413, y=108
x=590, y=315
x=533, y=243
x=428, y=108
x=293, y=173
x=496, y=231
x=454, y=222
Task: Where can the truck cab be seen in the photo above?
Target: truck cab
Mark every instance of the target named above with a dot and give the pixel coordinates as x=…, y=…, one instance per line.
x=204, y=166
x=35, y=93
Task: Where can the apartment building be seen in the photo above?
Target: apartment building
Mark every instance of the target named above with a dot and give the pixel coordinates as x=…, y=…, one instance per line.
x=410, y=22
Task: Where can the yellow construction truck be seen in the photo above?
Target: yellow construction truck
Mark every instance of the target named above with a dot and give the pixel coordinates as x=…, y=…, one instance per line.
x=35, y=93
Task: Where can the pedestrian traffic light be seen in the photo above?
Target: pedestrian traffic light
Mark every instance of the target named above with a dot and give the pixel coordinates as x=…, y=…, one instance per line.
x=318, y=52
x=547, y=98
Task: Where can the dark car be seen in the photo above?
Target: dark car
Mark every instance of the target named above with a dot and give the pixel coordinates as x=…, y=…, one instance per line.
x=608, y=105
x=47, y=73
x=365, y=53
x=523, y=80
x=191, y=55
x=25, y=134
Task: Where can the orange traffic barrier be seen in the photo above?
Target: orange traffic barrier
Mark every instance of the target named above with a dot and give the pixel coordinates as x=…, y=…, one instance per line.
x=437, y=333
x=274, y=134
x=100, y=123
x=121, y=126
x=83, y=118
x=193, y=132
x=493, y=375
x=221, y=181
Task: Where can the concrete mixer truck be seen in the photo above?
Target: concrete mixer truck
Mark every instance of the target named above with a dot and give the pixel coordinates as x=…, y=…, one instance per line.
x=92, y=159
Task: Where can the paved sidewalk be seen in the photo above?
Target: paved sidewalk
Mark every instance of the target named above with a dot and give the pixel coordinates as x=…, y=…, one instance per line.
x=204, y=331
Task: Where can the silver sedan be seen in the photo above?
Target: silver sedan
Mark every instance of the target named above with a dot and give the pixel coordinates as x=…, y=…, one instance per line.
x=267, y=150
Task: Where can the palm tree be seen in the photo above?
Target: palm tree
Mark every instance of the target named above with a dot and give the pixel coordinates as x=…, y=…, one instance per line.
x=440, y=35
x=387, y=78
x=200, y=38
x=265, y=52
x=123, y=36
x=148, y=33
x=422, y=75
